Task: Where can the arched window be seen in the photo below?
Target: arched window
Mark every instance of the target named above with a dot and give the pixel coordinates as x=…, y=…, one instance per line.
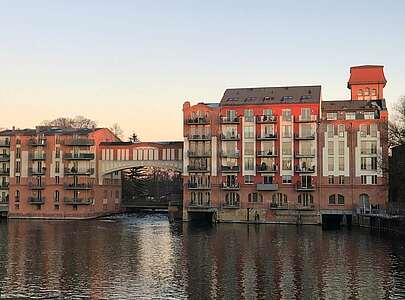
x=232, y=199
x=341, y=199
x=364, y=200
x=255, y=197
x=332, y=199
x=279, y=199
x=305, y=199
x=336, y=199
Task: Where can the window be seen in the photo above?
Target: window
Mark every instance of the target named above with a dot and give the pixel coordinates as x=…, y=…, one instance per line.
x=57, y=167
x=341, y=130
x=368, y=115
x=57, y=152
x=306, y=130
x=268, y=179
x=286, y=98
x=341, y=163
x=331, y=179
x=330, y=131
x=56, y=196
x=332, y=199
x=279, y=199
x=305, y=199
x=373, y=130
x=341, y=199
x=255, y=198
x=364, y=200
x=368, y=179
x=17, y=196
x=286, y=148
x=287, y=165
x=350, y=116
x=363, y=130
x=287, y=179
x=249, y=115
x=286, y=114
x=331, y=164
x=232, y=199
x=249, y=148
x=331, y=148
x=249, y=164
x=57, y=179
x=305, y=114
x=18, y=153
x=17, y=179
x=286, y=129
x=249, y=132
x=369, y=163
x=267, y=112
x=249, y=179
x=341, y=179
x=331, y=116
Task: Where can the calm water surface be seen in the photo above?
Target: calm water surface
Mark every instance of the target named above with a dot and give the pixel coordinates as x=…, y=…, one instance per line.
x=145, y=257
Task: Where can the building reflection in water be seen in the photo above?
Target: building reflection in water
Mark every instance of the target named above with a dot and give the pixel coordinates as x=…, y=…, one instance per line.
x=145, y=257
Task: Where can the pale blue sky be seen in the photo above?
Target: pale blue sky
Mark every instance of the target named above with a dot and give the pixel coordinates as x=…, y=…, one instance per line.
x=136, y=62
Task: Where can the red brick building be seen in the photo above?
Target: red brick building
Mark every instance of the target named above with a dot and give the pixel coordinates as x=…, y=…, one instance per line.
x=281, y=154
x=53, y=173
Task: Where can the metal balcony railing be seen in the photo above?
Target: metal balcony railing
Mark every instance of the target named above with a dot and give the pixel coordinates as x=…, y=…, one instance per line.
x=37, y=156
x=78, y=156
x=230, y=154
x=274, y=205
x=305, y=155
x=77, y=172
x=4, y=157
x=230, y=186
x=4, y=185
x=77, y=201
x=37, y=142
x=36, y=200
x=36, y=185
x=302, y=188
x=230, y=137
x=36, y=171
x=78, y=186
x=267, y=136
x=199, y=137
x=230, y=169
x=266, y=119
x=266, y=153
x=5, y=171
x=197, y=121
x=79, y=142
x=264, y=168
x=304, y=169
x=305, y=119
x=230, y=120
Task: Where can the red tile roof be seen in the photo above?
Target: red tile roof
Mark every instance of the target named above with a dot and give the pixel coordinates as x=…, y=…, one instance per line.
x=366, y=74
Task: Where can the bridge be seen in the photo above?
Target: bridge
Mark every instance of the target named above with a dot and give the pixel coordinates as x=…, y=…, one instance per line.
x=118, y=156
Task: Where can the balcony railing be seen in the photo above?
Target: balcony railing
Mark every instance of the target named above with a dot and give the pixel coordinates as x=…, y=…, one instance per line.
x=4, y=185
x=266, y=119
x=198, y=186
x=36, y=200
x=78, y=186
x=4, y=157
x=230, y=186
x=4, y=200
x=230, y=120
x=267, y=136
x=79, y=156
x=36, y=171
x=78, y=172
x=79, y=142
x=302, y=169
x=274, y=205
x=304, y=137
x=230, y=137
x=199, y=137
x=77, y=201
x=304, y=155
x=37, y=156
x=197, y=121
x=36, y=185
x=267, y=187
x=5, y=143
x=5, y=171
x=263, y=168
x=267, y=153
x=230, y=169
x=192, y=168
x=302, y=188
x=235, y=204
x=233, y=154
x=37, y=142
x=306, y=119
x=198, y=153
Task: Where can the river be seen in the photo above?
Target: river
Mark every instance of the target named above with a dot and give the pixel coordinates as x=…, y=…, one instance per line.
x=142, y=256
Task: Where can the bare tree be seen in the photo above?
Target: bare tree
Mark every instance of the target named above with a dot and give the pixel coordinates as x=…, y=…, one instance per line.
x=67, y=122
x=396, y=127
x=116, y=129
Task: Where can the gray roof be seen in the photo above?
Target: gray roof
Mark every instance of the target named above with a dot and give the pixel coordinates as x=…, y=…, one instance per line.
x=47, y=131
x=272, y=95
x=339, y=105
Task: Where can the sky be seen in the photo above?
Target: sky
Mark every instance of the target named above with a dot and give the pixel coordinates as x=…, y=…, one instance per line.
x=136, y=62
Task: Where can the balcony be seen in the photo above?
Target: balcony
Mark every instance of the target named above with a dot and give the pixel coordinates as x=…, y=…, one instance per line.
x=194, y=154
x=306, y=119
x=77, y=201
x=5, y=172
x=4, y=200
x=305, y=188
x=230, y=154
x=267, y=137
x=230, y=186
x=267, y=153
x=304, y=155
x=79, y=142
x=197, y=121
x=4, y=157
x=301, y=169
x=36, y=200
x=230, y=137
x=199, y=137
x=266, y=119
x=230, y=120
x=4, y=185
x=78, y=172
x=78, y=186
x=37, y=142
x=263, y=168
x=230, y=169
x=37, y=156
x=78, y=156
x=278, y=206
x=198, y=186
x=304, y=137
x=267, y=187
x=36, y=171
x=198, y=169
x=5, y=143
x=36, y=185
x=232, y=205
